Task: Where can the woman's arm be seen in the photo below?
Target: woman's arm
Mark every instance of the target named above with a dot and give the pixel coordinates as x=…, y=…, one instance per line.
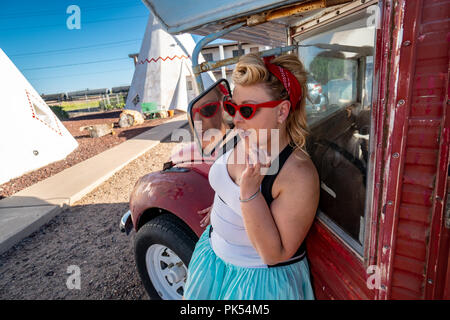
x=277, y=232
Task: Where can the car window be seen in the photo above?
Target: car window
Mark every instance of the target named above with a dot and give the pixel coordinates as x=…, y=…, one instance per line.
x=339, y=60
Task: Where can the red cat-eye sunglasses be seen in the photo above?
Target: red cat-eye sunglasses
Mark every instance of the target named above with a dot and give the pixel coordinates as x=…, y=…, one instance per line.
x=208, y=110
x=247, y=110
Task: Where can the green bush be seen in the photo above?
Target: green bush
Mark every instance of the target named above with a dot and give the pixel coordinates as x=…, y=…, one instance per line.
x=113, y=104
x=60, y=112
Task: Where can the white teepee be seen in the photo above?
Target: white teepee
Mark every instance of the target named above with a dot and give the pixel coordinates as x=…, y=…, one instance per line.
x=163, y=78
x=31, y=135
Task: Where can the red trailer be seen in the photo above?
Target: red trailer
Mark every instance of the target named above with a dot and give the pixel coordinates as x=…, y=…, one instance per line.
x=380, y=136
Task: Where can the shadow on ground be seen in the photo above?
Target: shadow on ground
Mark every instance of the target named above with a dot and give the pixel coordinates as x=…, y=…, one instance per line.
x=85, y=236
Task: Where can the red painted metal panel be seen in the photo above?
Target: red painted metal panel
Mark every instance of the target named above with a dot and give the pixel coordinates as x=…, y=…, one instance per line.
x=321, y=289
x=403, y=294
x=426, y=107
x=378, y=119
x=407, y=234
x=415, y=213
x=446, y=290
x=435, y=11
x=435, y=26
x=423, y=137
x=412, y=249
x=421, y=156
x=409, y=265
x=413, y=194
x=395, y=132
x=337, y=272
x=436, y=17
x=419, y=175
x=174, y=192
x=408, y=280
x=410, y=230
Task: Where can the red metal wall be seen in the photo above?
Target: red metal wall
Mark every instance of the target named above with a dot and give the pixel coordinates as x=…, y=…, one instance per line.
x=416, y=152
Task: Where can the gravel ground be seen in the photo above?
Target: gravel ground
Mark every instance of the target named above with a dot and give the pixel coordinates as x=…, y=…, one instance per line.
x=87, y=147
x=86, y=235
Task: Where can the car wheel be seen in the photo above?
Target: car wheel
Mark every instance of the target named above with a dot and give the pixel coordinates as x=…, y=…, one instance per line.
x=163, y=248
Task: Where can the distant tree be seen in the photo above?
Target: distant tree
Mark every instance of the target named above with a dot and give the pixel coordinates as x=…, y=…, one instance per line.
x=327, y=65
x=59, y=112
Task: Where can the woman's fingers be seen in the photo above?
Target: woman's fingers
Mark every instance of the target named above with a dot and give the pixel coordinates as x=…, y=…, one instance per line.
x=204, y=210
x=205, y=221
x=264, y=158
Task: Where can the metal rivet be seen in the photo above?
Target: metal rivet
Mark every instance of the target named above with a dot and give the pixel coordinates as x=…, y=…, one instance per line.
x=389, y=203
x=406, y=43
x=35, y=152
x=383, y=287
x=430, y=281
x=386, y=247
x=401, y=102
x=395, y=155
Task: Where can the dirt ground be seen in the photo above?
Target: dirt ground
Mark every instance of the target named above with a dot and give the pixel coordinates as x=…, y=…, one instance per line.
x=86, y=235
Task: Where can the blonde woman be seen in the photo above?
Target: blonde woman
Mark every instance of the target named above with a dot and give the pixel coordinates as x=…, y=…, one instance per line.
x=254, y=247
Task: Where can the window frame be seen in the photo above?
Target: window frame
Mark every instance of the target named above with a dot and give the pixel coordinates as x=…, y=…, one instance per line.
x=360, y=250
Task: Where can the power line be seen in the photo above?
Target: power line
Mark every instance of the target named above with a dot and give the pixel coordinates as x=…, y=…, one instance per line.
x=41, y=13
x=80, y=74
x=59, y=25
x=70, y=49
x=74, y=64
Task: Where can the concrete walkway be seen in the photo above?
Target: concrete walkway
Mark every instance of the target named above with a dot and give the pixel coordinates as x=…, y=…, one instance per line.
x=26, y=211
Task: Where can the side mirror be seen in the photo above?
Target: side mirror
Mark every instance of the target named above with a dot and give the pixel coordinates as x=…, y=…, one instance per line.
x=209, y=122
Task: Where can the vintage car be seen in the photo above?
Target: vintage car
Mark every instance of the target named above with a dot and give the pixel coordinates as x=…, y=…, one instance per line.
x=380, y=143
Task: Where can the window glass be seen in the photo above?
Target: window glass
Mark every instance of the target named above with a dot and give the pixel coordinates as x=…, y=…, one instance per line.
x=339, y=60
x=208, y=56
x=237, y=53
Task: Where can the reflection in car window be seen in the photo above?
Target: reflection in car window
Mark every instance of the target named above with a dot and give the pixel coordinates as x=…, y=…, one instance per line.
x=340, y=66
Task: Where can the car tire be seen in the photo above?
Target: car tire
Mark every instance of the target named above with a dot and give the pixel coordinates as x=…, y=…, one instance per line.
x=162, y=240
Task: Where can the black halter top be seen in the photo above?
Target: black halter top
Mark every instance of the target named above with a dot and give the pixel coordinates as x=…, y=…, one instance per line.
x=266, y=190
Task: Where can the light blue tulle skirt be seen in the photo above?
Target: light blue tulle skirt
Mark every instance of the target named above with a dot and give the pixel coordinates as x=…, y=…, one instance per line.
x=211, y=278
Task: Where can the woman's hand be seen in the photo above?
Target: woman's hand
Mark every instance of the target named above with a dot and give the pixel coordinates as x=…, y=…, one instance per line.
x=206, y=219
x=251, y=177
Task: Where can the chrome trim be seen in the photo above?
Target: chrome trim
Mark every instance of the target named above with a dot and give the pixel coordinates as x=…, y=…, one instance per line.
x=126, y=225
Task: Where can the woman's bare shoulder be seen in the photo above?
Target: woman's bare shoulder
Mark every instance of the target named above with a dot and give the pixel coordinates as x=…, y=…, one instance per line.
x=299, y=172
x=303, y=163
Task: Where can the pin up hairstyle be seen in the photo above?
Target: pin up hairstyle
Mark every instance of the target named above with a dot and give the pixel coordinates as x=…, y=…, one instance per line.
x=251, y=70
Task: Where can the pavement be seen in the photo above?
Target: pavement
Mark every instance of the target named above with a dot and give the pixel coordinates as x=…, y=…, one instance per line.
x=26, y=211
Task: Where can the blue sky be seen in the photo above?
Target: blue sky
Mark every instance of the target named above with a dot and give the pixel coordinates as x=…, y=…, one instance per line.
x=35, y=36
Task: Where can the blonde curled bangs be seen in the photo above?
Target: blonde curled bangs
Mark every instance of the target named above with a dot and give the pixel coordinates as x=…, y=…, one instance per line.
x=251, y=70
